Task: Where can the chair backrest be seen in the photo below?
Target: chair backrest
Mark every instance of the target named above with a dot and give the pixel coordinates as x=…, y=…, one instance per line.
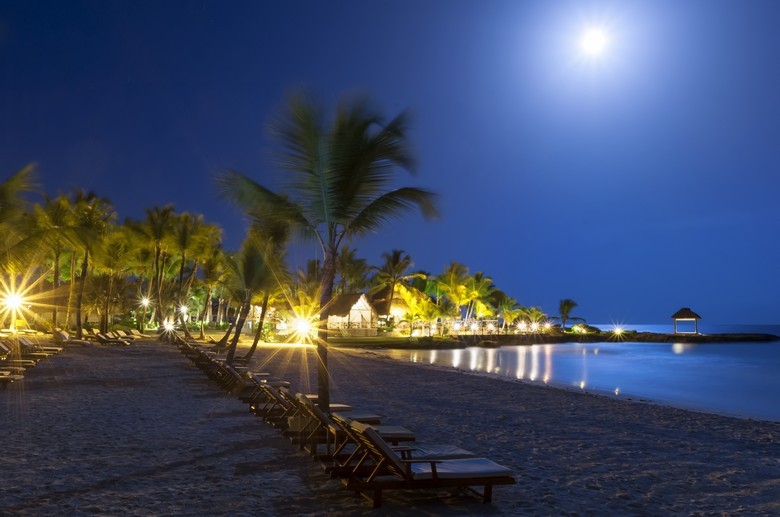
x=63, y=335
x=378, y=448
x=275, y=394
x=310, y=407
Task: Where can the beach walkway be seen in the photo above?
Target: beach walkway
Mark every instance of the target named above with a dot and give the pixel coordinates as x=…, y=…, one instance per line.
x=140, y=431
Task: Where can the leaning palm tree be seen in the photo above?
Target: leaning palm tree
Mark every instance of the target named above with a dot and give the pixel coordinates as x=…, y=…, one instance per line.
x=252, y=270
x=340, y=173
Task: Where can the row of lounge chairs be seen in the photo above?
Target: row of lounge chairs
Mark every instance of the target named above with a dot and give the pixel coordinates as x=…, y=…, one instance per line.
x=19, y=354
x=94, y=336
x=367, y=455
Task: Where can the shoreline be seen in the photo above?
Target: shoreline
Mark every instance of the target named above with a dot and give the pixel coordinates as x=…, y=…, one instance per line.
x=498, y=340
x=627, y=397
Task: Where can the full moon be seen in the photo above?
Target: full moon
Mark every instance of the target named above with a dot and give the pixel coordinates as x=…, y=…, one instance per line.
x=594, y=41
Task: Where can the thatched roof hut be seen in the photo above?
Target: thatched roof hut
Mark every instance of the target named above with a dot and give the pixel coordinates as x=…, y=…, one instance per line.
x=686, y=314
x=352, y=314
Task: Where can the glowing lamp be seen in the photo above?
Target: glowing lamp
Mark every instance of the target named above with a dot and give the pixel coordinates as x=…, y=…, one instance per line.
x=302, y=326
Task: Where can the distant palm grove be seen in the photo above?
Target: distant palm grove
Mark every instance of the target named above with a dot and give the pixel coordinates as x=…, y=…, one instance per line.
x=73, y=262
x=70, y=262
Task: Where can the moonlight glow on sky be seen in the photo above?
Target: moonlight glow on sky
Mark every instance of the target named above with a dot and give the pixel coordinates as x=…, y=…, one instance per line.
x=637, y=182
x=594, y=41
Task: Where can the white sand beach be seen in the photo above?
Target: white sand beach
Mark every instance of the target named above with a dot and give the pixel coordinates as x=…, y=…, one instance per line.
x=140, y=431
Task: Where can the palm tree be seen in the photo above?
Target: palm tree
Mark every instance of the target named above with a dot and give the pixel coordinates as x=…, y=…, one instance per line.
x=92, y=215
x=12, y=207
x=54, y=222
x=479, y=289
x=274, y=237
x=393, y=272
x=453, y=284
x=252, y=270
x=351, y=271
x=112, y=265
x=340, y=173
x=564, y=309
x=157, y=229
x=213, y=272
x=191, y=235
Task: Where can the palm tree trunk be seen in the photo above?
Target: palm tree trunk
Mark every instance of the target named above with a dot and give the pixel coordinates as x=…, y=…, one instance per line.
x=206, y=311
x=72, y=287
x=55, y=285
x=323, y=374
x=80, y=294
x=242, y=313
x=106, y=308
x=259, y=331
x=222, y=343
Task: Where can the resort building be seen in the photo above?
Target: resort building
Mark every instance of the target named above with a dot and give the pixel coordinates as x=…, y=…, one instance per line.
x=352, y=315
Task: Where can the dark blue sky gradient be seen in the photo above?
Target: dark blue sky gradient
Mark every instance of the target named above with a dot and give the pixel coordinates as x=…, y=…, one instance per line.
x=635, y=184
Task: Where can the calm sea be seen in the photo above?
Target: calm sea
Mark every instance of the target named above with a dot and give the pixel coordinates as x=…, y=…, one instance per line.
x=737, y=379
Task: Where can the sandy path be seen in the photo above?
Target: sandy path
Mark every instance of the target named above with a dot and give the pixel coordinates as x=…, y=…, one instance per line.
x=139, y=431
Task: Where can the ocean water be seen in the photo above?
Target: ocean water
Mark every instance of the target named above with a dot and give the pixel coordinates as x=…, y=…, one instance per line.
x=736, y=379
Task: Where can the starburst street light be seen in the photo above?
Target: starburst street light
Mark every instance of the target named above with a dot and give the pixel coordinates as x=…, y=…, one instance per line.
x=12, y=305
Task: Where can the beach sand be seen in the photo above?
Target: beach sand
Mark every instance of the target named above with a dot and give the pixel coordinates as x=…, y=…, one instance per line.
x=140, y=431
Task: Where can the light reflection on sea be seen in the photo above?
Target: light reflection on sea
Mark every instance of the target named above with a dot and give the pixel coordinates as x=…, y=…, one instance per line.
x=739, y=379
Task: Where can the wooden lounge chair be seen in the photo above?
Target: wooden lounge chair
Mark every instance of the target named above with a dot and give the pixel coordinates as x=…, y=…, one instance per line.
x=320, y=429
x=122, y=334
x=344, y=462
x=7, y=377
x=13, y=363
x=15, y=351
x=63, y=338
x=37, y=347
x=105, y=340
x=392, y=471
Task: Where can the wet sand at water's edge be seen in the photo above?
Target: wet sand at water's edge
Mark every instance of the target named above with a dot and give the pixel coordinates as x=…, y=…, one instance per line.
x=138, y=430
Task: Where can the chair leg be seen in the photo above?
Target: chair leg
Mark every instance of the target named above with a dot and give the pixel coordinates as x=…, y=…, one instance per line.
x=487, y=494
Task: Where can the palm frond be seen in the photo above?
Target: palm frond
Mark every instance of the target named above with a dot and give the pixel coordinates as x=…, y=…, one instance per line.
x=393, y=204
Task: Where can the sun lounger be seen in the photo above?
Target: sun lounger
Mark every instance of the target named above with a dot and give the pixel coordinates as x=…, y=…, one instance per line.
x=13, y=363
x=63, y=338
x=139, y=334
x=33, y=346
x=15, y=351
x=344, y=459
x=322, y=430
x=122, y=334
x=105, y=340
x=7, y=377
x=391, y=471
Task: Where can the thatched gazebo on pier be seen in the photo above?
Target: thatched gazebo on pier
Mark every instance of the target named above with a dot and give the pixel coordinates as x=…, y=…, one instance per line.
x=685, y=314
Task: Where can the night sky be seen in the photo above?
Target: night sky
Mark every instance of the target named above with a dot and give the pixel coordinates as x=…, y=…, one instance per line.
x=635, y=183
